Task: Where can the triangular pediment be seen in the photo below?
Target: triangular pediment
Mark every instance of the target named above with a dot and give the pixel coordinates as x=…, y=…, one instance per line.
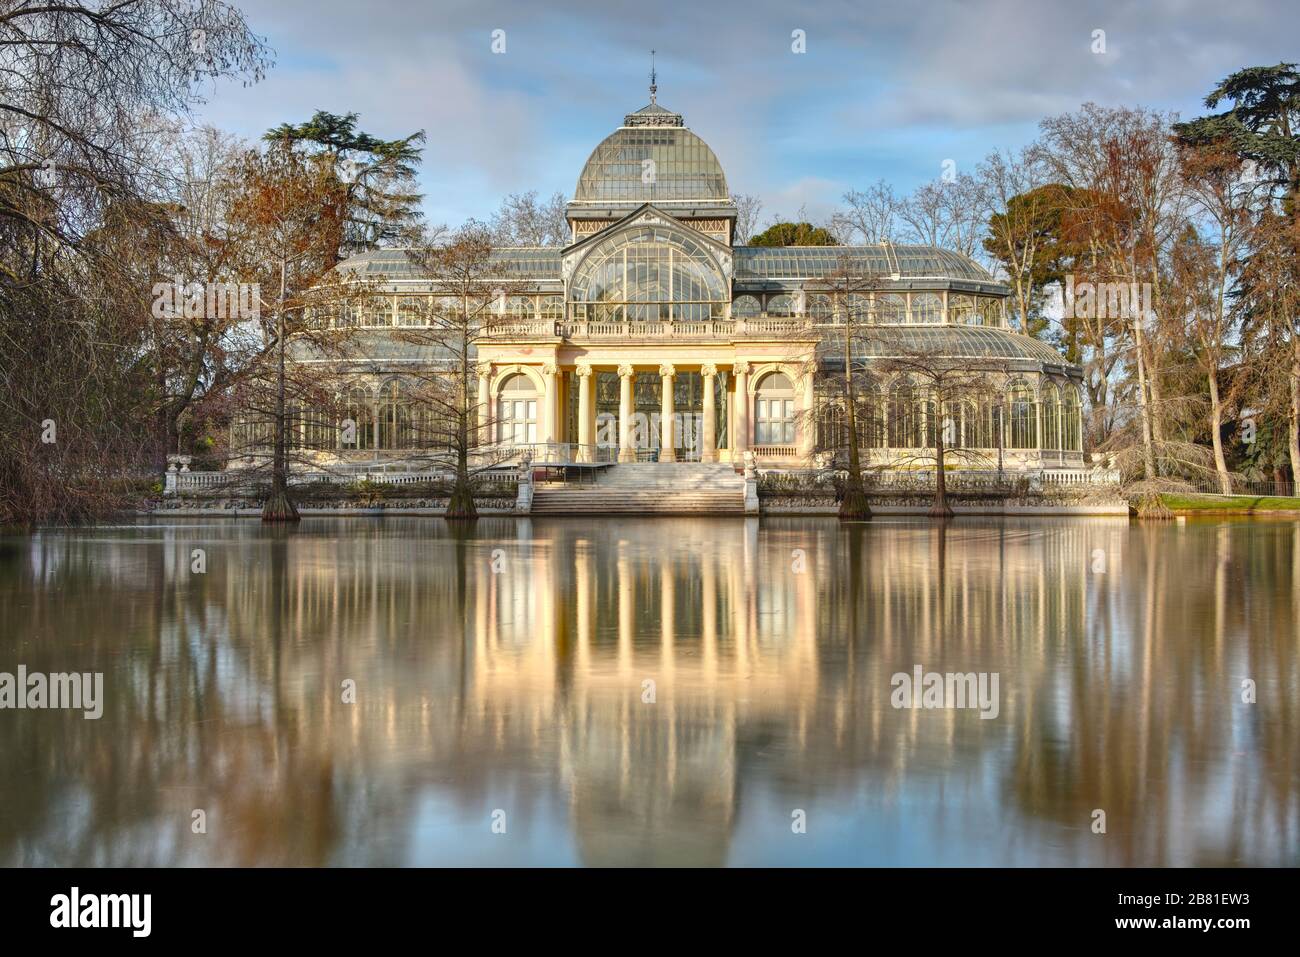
x=650, y=214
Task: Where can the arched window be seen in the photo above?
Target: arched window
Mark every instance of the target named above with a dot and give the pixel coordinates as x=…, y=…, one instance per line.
x=552, y=308
x=962, y=311
x=780, y=306
x=991, y=311
x=517, y=411
x=819, y=308
x=927, y=308
x=650, y=273
x=520, y=309
x=394, y=418
x=831, y=430
x=745, y=307
x=857, y=308
x=774, y=411
x=413, y=311
x=1022, y=418
x=1051, y=402
x=1071, y=420
x=891, y=309
x=357, y=430
x=977, y=424
x=376, y=312
x=905, y=420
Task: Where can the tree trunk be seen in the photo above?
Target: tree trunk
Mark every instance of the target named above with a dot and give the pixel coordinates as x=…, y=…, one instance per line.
x=941, y=508
x=279, y=506
x=461, y=506
x=1148, y=452
x=854, y=506
x=1216, y=435
x=1293, y=413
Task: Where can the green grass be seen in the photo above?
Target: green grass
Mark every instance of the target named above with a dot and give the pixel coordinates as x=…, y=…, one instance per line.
x=1231, y=503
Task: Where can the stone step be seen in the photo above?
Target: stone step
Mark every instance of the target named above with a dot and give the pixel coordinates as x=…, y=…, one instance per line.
x=597, y=500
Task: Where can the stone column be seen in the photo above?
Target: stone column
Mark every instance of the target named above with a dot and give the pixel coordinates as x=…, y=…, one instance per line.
x=549, y=433
x=586, y=415
x=740, y=443
x=806, y=424
x=485, y=416
x=666, y=375
x=708, y=445
x=626, y=453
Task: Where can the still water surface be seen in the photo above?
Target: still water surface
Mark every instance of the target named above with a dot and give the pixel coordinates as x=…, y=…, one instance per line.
x=506, y=669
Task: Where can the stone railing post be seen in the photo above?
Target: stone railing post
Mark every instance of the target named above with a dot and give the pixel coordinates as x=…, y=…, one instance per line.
x=524, y=495
x=751, y=484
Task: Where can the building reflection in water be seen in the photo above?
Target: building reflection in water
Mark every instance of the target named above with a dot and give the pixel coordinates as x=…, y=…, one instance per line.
x=654, y=691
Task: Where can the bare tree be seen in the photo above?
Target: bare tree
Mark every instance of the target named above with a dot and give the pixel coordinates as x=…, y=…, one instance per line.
x=951, y=394
x=868, y=216
x=850, y=286
x=470, y=289
x=1204, y=272
x=748, y=209
x=286, y=210
x=950, y=214
x=1125, y=169
x=523, y=220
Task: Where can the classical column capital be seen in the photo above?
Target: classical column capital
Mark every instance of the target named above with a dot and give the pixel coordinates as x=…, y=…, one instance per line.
x=740, y=368
x=625, y=370
x=708, y=369
x=666, y=369
x=484, y=370
x=583, y=369
x=550, y=368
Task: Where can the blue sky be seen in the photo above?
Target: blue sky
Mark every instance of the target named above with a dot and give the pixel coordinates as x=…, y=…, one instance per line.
x=884, y=89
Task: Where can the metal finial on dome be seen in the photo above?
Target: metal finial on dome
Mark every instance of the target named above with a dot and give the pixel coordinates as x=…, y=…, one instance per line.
x=654, y=88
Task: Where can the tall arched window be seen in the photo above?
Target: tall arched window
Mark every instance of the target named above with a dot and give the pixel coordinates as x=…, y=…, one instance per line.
x=650, y=273
x=357, y=431
x=1022, y=418
x=991, y=311
x=1051, y=402
x=1071, y=420
x=977, y=425
x=905, y=420
x=927, y=308
x=774, y=411
x=517, y=411
x=394, y=418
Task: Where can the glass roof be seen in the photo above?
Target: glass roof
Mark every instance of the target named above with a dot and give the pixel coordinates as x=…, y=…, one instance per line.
x=644, y=164
x=812, y=262
x=966, y=342
x=523, y=262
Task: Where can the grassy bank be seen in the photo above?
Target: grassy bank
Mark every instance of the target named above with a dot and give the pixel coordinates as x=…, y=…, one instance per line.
x=1234, y=504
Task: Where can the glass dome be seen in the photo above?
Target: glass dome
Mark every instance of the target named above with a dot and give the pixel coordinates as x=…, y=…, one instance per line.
x=653, y=158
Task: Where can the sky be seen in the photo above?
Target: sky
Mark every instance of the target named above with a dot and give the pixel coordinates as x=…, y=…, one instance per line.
x=886, y=90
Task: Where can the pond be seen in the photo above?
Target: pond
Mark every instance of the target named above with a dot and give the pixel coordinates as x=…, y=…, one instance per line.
x=654, y=691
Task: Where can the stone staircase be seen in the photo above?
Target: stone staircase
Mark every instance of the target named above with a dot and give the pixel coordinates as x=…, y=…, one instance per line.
x=649, y=488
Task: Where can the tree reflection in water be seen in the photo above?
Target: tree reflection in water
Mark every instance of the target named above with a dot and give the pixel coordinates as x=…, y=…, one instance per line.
x=504, y=667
